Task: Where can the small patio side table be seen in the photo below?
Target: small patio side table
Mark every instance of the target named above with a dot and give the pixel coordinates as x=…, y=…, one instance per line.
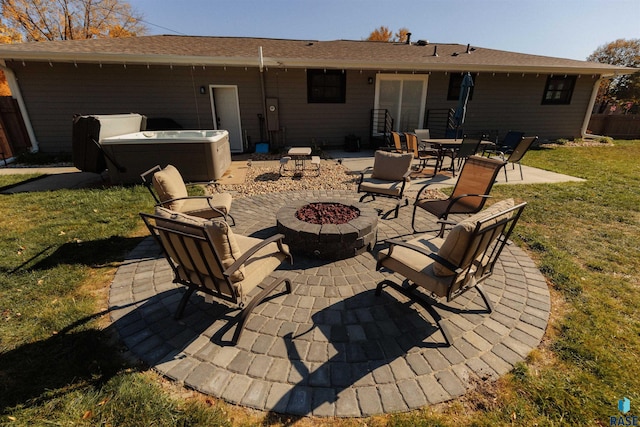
x=299, y=155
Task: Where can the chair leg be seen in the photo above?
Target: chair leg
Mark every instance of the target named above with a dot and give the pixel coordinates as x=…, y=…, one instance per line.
x=505, y=173
x=246, y=311
x=521, y=176
x=183, y=302
x=485, y=297
x=414, y=297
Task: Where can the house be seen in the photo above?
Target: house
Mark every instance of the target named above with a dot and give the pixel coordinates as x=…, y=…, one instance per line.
x=296, y=92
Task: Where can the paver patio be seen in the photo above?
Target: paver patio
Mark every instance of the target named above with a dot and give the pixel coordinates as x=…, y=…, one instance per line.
x=331, y=348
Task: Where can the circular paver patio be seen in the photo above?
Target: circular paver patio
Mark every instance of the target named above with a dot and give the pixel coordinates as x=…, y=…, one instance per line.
x=331, y=347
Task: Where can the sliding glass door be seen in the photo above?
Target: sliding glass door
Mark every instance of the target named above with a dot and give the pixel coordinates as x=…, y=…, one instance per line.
x=404, y=95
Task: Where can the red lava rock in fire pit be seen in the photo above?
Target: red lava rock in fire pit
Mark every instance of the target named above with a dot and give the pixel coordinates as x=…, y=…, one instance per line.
x=327, y=213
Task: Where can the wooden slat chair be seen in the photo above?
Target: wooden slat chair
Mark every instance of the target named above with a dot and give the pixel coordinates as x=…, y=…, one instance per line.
x=389, y=177
x=169, y=190
x=206, y=256
x=447, y=268
x=469, y=194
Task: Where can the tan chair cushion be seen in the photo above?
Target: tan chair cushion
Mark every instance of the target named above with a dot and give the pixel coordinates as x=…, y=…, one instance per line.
x=200, y=206
x=415, y=266
x=169, y=184
x=459, y=238
x=373, y=185
x=222, y=238
x=391, y=166
x=224, y=242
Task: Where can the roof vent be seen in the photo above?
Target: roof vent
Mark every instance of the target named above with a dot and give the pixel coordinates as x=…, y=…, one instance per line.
x=468, y=48
x=435, y=50
x=409, y=38
x=422, y=42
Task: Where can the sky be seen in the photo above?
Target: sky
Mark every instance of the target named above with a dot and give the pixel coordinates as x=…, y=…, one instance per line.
x=561, y=28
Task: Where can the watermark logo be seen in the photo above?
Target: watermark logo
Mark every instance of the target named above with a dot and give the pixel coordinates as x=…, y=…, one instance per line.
x=624, y=406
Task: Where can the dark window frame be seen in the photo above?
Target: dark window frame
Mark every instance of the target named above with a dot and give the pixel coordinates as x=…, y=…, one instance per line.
x=455, y=80
x=558, y=90
x=326, y=86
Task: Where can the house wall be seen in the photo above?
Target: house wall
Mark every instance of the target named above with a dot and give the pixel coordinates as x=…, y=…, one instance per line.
x=514, y=102
x=303, y=123
x=54, y=93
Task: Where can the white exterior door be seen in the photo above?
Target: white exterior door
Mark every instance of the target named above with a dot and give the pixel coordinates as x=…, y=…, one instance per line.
x=226, y=114
x=405, y=96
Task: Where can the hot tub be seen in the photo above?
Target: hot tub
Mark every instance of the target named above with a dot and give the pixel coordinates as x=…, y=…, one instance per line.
x=199, y=155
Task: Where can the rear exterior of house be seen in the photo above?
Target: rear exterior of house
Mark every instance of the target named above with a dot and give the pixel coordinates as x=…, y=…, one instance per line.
x=295, y=93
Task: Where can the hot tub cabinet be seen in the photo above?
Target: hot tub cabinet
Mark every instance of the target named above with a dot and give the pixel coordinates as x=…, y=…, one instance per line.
x=120, y=143
x=199, y=155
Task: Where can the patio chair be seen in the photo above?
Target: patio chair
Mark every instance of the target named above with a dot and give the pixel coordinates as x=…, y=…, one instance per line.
x=468, y=147
x=397, y=143
x=169, y=190
x=447, y=268
x=422, y=134
x=424, y=154
x=206, y=256
x=508, y=143
x=469, y=194
x=518, y=153
x=389, y=177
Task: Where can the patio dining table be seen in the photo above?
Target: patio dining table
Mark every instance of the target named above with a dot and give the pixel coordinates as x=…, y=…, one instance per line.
x=448, y=146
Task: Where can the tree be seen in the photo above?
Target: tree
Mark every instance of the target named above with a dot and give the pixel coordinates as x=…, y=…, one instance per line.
x=384, y=34
x=39, y=20
x=621, y=91
x=402, y=35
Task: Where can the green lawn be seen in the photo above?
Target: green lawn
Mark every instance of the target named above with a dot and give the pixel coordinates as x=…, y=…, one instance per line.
x=60, y=366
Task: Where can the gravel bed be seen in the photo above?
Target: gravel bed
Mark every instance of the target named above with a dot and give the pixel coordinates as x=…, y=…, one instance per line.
x=333, y=176
x=266, y=179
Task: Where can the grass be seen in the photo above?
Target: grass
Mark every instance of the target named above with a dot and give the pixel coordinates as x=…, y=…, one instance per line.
x=60, y=365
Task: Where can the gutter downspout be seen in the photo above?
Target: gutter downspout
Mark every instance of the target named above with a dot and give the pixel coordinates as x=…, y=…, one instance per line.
x=262, y=86
x=592, y=101
x=12, y=81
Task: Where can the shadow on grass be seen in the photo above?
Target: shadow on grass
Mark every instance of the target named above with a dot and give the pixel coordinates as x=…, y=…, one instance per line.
x=36, y=372
x=92, y=253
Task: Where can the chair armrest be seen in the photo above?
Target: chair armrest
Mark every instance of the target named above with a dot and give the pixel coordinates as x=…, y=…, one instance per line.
x=251, y=251
x=462, y=196
x=209, y=199
x=434, y=256
x=365, y=171
x=424, y=187
x=407, y=175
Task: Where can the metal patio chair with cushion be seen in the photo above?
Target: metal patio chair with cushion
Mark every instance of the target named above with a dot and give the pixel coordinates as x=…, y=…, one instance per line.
x=447, y=268
x=518, y=153
x=169, y=190
x=205, y=255
x=424, y=155
x=389, y=177
x=469, y=194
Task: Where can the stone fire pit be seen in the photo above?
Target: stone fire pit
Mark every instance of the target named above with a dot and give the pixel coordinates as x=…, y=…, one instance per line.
x=330, y=237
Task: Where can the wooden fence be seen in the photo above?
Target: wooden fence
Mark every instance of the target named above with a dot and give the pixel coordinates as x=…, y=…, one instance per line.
x=625, y=126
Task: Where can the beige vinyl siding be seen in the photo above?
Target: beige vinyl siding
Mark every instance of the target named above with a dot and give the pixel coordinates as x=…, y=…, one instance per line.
x=55, y=93
x=514, y=102
x=303, y=122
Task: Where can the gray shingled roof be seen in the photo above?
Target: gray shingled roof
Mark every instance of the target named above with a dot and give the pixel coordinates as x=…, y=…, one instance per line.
x=343, y=54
